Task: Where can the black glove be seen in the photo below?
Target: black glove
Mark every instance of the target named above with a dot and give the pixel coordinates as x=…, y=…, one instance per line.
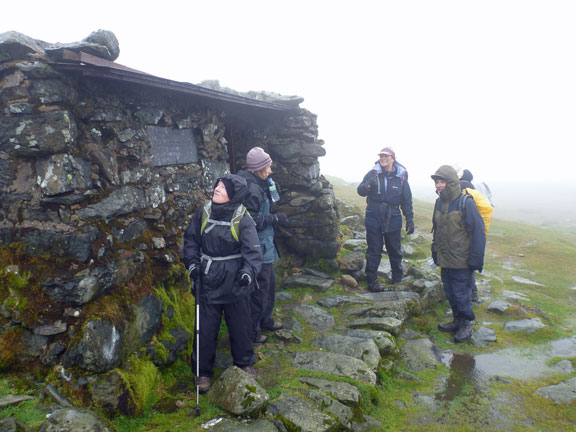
x=194, y=272
x=372, y=183
x=280, y=218
x=409, y=226
x=244, y=279
x=474, y=266
x=434, y=254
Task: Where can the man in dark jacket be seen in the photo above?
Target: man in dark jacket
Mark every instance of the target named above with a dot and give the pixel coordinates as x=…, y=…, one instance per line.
x=258, y=201
x=222, y=255
x=387, y=191
x=457, y=247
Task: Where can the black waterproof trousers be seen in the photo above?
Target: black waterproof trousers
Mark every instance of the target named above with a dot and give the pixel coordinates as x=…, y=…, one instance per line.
x=376, y=240
x=262, y=301
x=458, y=292
x=237, y=320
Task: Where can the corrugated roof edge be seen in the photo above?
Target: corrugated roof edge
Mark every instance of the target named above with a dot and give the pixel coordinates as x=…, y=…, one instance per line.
x=90, y=65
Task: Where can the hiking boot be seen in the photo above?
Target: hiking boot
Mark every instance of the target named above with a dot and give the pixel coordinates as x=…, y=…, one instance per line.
x=464, y=332
x=274, y=327
x=449, y=327
x=375, y=287
x=249, y=370
x=261, y=340
x=203, y=384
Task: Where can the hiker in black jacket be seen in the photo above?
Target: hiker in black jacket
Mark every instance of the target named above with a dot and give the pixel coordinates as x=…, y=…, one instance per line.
x=258, y=201
x=222, y=255
x=387, y=191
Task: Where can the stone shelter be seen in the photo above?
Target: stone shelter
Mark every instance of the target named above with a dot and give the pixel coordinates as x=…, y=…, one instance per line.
x=101, y=168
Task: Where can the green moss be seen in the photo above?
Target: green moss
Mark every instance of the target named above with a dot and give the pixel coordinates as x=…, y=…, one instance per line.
x=181, y=304
x=11, y=346
x=141, y=376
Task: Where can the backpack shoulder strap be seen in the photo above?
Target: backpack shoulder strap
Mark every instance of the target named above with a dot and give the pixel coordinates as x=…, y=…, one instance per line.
x=205, y=216
x=462, y=205
x=235, y=227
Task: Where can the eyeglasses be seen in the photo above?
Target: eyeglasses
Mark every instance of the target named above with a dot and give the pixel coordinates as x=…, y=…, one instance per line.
x=385, y=156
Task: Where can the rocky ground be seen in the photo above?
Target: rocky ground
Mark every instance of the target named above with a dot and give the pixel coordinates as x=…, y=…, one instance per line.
x=352, y=360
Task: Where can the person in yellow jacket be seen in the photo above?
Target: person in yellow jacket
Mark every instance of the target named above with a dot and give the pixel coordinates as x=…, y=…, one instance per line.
x=485, y=209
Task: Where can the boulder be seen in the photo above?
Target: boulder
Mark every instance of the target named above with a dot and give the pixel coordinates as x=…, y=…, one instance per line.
x=335, y=364
x=238, y=392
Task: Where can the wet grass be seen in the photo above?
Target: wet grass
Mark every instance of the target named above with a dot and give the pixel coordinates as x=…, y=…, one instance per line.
x=546, y=256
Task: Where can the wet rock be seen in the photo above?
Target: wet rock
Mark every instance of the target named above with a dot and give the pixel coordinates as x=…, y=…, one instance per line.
x=288, y=336
x=52, y=91
x=331, y=406
x=111, y=392
x=335, y=364
x=419, y=355
x=391, y=325
x=349, y=281
x=563, y=392
x=167, y=405
x=51, y=329
x=237, y=392
x=525, y=281
x=352, y=262
x=383, y=340
x=243, y=425
x=90, y=284
x=50, y=356
x=149, y=317
x=564, y=366
x=366, y=424
x=72, y=420
x=99, y=348
x=314, y=282
x=101, y=43
x=106, y=39
x=75, y=245
x=344, y=392
x=316, y=317
x=499, y=307
x=514, y=295
x=63, y=173
x=529, y=325
x=17, y=46
x=122, y=201
x=300, y=414
x=483, y=337
x=38, y=135
x=341, y=300
x=363, y=349
x=10, y=400
x=9, y=424
x=178, y=343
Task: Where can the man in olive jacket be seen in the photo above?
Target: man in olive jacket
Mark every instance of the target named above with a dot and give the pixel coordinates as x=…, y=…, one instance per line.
x=457, y=247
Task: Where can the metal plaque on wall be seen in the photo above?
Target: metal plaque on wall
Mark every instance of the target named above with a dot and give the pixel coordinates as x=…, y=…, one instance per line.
x=172, y=146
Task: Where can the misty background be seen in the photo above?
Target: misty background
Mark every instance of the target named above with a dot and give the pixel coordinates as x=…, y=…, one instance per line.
x=487, y=85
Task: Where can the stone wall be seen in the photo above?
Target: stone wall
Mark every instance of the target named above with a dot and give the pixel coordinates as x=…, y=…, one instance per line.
x=93, y=203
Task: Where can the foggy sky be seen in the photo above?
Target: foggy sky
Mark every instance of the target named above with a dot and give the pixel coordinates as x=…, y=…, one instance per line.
x=487, y=85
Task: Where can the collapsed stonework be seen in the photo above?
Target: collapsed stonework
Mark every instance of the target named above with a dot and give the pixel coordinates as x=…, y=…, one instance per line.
x=101, y=168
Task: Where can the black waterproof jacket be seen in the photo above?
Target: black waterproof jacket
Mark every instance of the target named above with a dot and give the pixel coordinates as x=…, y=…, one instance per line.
x=259, y=203
x=390, y=194
x=219, y=284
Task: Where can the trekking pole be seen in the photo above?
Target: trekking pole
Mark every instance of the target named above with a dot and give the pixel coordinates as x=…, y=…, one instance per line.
x=197, y=333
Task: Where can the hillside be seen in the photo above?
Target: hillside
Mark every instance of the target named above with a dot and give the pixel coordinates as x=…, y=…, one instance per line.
x=504, y=382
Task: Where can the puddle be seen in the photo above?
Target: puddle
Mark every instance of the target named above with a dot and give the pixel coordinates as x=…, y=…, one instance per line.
x=468, y=371
x=464, y=377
